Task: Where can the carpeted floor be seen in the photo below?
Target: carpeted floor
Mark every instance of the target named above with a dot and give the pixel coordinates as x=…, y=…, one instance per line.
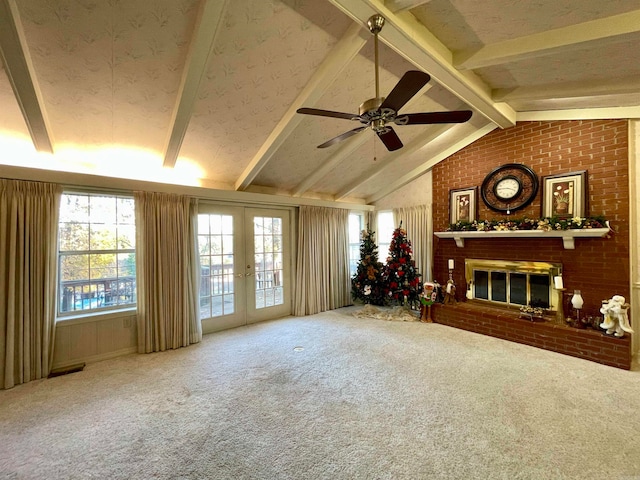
x=329, y=396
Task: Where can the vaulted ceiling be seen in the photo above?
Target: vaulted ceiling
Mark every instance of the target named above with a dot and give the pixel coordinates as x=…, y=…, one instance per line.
x=205, y=92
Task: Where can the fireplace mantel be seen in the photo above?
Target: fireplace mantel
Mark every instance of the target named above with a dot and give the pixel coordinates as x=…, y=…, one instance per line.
x=568, y=236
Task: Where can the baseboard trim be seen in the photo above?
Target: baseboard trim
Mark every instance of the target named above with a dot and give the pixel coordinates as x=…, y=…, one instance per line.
x=95, y=358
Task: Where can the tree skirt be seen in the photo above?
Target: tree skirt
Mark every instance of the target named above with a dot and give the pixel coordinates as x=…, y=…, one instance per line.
x=395, y=314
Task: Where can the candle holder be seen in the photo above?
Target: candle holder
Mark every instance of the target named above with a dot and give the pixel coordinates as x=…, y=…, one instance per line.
x=560, y=320
x=577, y=302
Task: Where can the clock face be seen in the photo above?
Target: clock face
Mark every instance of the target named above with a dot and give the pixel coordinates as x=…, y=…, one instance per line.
x=509, y=187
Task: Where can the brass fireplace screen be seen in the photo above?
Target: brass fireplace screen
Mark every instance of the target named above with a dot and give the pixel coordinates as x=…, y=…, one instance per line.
x=512, y=283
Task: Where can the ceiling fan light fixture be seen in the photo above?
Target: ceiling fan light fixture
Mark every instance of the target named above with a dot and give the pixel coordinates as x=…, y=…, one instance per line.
x=379, y=125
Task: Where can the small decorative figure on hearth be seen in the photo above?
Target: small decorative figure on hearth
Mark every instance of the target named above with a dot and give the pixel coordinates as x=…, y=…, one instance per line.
x=428, y=297
x=439, y=291
x=616, y=319
x=450, y=293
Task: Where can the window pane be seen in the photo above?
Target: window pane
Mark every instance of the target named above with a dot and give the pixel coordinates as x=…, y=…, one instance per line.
x=126, y=237
x=126, y=214
x=356, y=221
x=126, y=265
x=102, y=209
x=74, y=236
x=227, y=244
x=204, y=246
x=203, y=224
x=102, y=237
x=74, y=208
x=384, y=234
x=216, y=244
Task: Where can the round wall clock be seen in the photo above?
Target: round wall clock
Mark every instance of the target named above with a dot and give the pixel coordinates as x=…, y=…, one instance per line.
x=509, y=187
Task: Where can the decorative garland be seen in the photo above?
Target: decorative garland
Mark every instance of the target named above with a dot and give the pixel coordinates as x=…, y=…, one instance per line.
x=544, y=224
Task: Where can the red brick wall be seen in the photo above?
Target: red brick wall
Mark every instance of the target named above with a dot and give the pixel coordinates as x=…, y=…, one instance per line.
x=597, y=267
x=587, y=344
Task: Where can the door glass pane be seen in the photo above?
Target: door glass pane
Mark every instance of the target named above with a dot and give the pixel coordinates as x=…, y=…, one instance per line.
x=215, y=240
x=518, y=288
x=539, y=285
x=499, y=286
x=481, y=284
x=268, y=261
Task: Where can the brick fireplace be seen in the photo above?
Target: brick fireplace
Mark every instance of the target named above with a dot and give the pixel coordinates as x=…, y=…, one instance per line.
x=599, y=267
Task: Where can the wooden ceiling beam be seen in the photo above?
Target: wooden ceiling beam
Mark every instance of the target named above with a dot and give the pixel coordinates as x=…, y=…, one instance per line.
x=338, y=58
x=566, y=39
x=604, y=113
x=413, y=41
x=403, y=5
x=208, y=22
x=592, y=88
x=19, y=68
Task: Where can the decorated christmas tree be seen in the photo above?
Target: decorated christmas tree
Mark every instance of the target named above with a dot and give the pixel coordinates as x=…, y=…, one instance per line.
x=400, y=275
x=366, y=283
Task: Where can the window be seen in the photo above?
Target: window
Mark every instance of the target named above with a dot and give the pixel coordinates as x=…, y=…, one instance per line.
x=384, y=234
x=96, y=257
x=356, y=225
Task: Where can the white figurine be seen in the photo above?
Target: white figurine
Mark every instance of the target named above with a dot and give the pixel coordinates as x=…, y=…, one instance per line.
x=616, y=320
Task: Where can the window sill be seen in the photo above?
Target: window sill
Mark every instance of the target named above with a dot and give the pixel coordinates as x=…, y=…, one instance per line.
x=95, y=316
x=568, y=236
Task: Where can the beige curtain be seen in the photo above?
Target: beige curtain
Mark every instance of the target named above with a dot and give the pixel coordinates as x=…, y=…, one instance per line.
x=167, y=269
x=28, y=256
x=371, y=222
x=415, y=220
x=322, y=274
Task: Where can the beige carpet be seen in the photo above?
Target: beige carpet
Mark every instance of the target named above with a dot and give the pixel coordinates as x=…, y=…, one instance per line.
x=361, y=399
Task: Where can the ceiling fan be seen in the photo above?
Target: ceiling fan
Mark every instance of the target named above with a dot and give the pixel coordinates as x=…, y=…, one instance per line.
x=377, y=113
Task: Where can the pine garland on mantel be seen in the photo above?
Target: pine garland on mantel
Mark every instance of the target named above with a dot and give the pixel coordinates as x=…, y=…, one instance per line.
x=543, y=224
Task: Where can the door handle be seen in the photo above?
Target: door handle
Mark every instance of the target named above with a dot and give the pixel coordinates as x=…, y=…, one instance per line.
x=249, y=274
x=239, y=275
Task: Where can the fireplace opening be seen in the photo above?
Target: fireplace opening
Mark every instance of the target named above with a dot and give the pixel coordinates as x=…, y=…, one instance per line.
x=512, y=283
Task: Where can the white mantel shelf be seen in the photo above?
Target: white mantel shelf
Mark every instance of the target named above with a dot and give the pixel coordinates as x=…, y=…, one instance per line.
x=568, y=236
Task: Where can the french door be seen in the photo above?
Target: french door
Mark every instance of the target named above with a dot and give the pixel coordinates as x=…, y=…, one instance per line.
x=245, y=265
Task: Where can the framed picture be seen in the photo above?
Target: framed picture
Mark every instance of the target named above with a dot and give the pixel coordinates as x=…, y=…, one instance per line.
x=463, y=204
x=565, y=195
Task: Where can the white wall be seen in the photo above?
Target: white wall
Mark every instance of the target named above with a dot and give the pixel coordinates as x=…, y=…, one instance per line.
x=94, y=338
x=413, y=194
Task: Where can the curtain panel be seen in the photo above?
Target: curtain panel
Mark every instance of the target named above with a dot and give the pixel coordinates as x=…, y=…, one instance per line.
x=322, y=275
x=415, y=220
x=28, y=256
x=168, y=271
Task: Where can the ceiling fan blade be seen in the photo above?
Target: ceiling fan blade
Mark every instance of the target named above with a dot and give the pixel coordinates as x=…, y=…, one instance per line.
x=341, y=137
x=390, y=139
x=410, y=84
x=459, y=116
x=328, y=113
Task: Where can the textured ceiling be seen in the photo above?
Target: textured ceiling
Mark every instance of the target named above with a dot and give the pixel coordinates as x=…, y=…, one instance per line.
x=210, y=88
